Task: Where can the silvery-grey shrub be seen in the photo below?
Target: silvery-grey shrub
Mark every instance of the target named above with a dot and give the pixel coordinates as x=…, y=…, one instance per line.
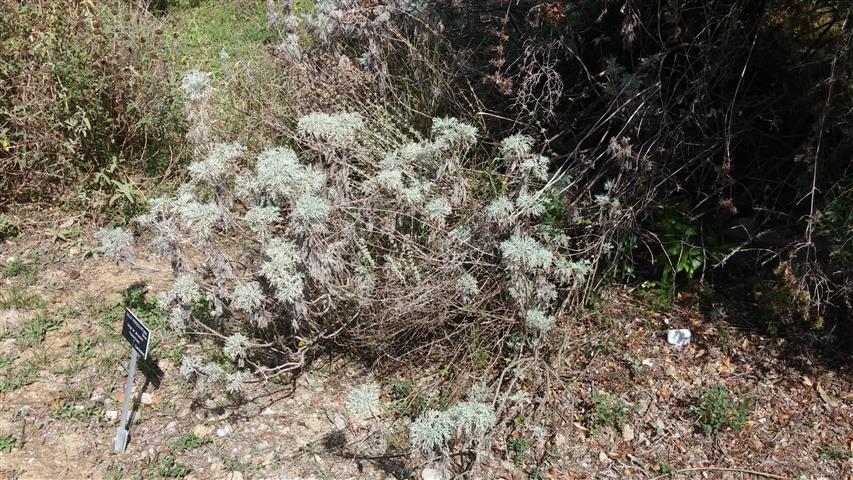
x=353, y=230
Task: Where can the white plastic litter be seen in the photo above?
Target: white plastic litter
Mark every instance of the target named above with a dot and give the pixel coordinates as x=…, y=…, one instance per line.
x=678, y=337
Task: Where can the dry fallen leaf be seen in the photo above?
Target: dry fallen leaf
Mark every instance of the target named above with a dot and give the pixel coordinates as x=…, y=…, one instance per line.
x=825, y=396
x=807, y=382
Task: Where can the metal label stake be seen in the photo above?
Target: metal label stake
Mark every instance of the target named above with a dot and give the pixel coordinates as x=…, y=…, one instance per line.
x=135, y=332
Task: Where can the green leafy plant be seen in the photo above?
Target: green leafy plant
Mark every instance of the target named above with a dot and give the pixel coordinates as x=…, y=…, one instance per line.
x=717, y=410
x=188, y=441
x=123, y=195
x=836, y=452
x=606, y=411
x=518, y=446
x=9, y=228
x=12, y=380
x=82, y=350
x=71, y=411
x=136, y=298
x=8, y=442
x=401, y=388
x=168, y=467
x=680, y=252
x=33, y=331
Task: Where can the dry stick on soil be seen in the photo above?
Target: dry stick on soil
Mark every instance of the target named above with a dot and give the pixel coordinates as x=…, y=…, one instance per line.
x=725, y=469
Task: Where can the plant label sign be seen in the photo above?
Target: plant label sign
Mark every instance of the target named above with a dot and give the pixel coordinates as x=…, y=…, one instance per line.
x=135, y=332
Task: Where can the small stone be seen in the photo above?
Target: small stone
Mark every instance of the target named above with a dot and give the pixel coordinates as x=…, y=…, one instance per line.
x=97, y=395
x=560, y=441
x=202, y=430
x=111, y=415
x=643, y=406
x=224, y=431
x=216, y=467
x=147, y=399
x=628, y=433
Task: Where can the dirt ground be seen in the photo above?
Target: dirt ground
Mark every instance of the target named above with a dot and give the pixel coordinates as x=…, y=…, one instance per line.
x=620, y=401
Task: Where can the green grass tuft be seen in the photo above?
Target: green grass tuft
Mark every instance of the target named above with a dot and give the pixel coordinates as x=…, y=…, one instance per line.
x=236, y=27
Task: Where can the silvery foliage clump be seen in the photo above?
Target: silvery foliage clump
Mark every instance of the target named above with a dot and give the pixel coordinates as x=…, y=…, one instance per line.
x=467, y=286
x=466, y=422
x=538, y=321
x=282, y=244
x=235, y=347
x=214, y=168
x=500, y=211
x=437, y=210
x=196, y=85
x=363, y=402
x=115, y=242
x=338, y=129
x=261, y=220
x=336, y=21
x=247, y=297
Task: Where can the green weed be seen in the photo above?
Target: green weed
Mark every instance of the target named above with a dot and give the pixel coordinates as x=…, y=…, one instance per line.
x=82, y=350
x=717, y=410
x=70, y=411
x=11, y=380
x=16, y=297
x=9, y=228
x=170, y=468
x=235, y=465
x=518, y=446
x=606, y=411
x=835, y=452
x=188, y=441
x=13, y=383
x=32, y=332
x=401, y=388
x=8, y=442
x=136, y=298
x=15, y=267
